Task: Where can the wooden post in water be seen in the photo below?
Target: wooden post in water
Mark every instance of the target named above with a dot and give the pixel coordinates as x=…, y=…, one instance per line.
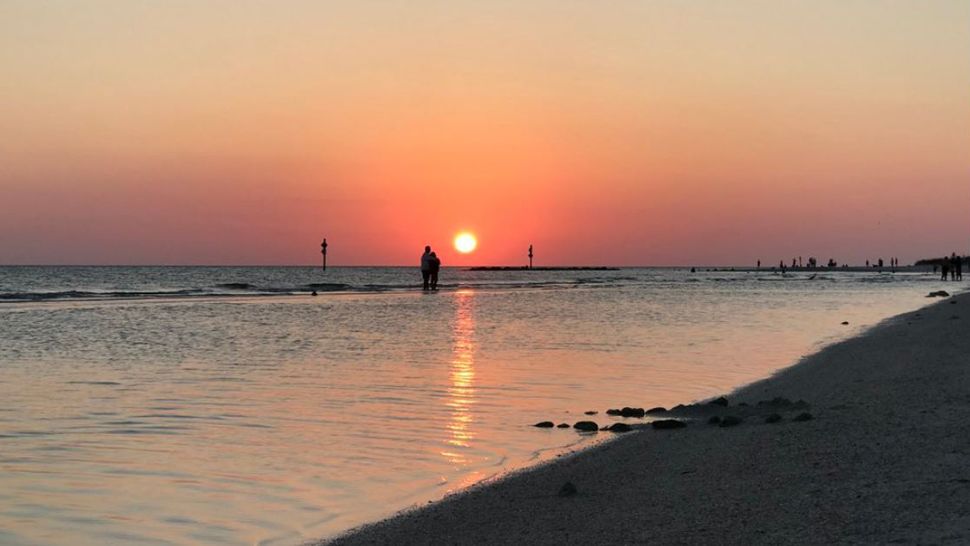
x=530, y=256
x=323, y=250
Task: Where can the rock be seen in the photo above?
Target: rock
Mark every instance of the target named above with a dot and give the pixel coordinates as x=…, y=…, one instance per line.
x=656, y=410
x=719, y=401
x=619, y=427
x=568, y=490
x=586, y=426
x=845, y=322
x=938, y=294
x=773, y=418
x=590, y=412
x=544, y=424
x=668, y=424
x=730, y=421
x=612, y=411
x=805, y=416
x=632, y=412
x=777, y=401
x=714, y=420
x=314, y=293
x=562, y=425
x=743, y=404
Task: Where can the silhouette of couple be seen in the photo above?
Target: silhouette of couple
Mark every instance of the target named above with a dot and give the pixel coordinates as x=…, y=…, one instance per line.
x=430, y=265
x=952, y=266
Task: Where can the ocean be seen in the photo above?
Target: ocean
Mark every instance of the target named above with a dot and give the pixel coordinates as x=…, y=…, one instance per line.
x=228, y=405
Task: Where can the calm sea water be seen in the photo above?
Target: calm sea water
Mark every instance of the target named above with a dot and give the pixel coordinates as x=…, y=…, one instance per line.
x=228, y=406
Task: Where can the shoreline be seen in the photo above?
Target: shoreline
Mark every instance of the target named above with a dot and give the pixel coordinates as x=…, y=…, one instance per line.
x=882, y=459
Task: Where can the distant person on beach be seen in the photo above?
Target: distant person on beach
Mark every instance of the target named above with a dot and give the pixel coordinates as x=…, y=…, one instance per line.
x=435, y=267
x=945, y=268
x=759, y=264
x=953, y=266
x=959, y=268
x=426, y=267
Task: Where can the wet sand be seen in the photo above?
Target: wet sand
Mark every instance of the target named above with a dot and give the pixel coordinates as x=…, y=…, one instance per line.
x=885, y=459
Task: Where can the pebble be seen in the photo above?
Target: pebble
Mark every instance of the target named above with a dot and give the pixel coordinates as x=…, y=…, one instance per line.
x=544, y=424
x=568, y=490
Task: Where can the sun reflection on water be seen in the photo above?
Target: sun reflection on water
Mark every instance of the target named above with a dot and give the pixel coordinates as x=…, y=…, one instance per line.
x=461, y=390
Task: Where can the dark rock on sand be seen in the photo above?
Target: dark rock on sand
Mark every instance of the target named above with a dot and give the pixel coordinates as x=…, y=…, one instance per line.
x=844, y=322
x=714, y=420
x=777, y=401
x=719, y=401
x=626, y=412
x=632, y=412
x=938, y=294
x=619, y=427
x=544, y=424
x=586, y=426
x=803, y=417
x=773, y=418
x=562, y=425
x=730, y=421
x=590, y=412
x=568, y=490
x=658, y=409
x=667, y=424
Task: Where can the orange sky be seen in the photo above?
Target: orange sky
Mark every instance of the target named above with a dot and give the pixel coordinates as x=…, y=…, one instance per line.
x=628, y=133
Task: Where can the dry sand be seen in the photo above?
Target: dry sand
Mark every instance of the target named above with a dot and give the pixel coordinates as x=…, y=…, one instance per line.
x=886, y=459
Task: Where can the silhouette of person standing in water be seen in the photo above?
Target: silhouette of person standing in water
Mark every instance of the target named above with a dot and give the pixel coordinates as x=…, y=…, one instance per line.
x=944, y=268
x=435, y=267
x=426, y=267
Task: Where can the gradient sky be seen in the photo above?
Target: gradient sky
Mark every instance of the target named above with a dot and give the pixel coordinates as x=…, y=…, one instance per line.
x=627, y=133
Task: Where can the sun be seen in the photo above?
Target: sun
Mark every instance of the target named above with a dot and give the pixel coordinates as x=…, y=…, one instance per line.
x=465, y=242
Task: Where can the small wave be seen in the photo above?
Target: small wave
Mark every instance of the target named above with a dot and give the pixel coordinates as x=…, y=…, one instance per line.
x=328, y=287
x=82, y=294
x=235, y=286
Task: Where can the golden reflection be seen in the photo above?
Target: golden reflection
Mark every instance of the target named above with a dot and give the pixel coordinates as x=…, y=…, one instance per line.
x=461, y=390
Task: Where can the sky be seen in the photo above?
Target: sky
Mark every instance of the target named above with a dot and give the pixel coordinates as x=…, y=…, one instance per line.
x=603, y=133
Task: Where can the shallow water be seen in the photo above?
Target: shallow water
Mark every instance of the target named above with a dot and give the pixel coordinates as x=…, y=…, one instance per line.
x=227, y=406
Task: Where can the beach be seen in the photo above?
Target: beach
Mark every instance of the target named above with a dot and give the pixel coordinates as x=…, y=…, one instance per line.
x=227, y=405
x=883, y=459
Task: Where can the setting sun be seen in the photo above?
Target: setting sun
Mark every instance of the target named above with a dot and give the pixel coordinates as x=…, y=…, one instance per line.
x=465, y=242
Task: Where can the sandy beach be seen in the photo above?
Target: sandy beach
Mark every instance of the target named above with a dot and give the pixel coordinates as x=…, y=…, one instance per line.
x=882, y=460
